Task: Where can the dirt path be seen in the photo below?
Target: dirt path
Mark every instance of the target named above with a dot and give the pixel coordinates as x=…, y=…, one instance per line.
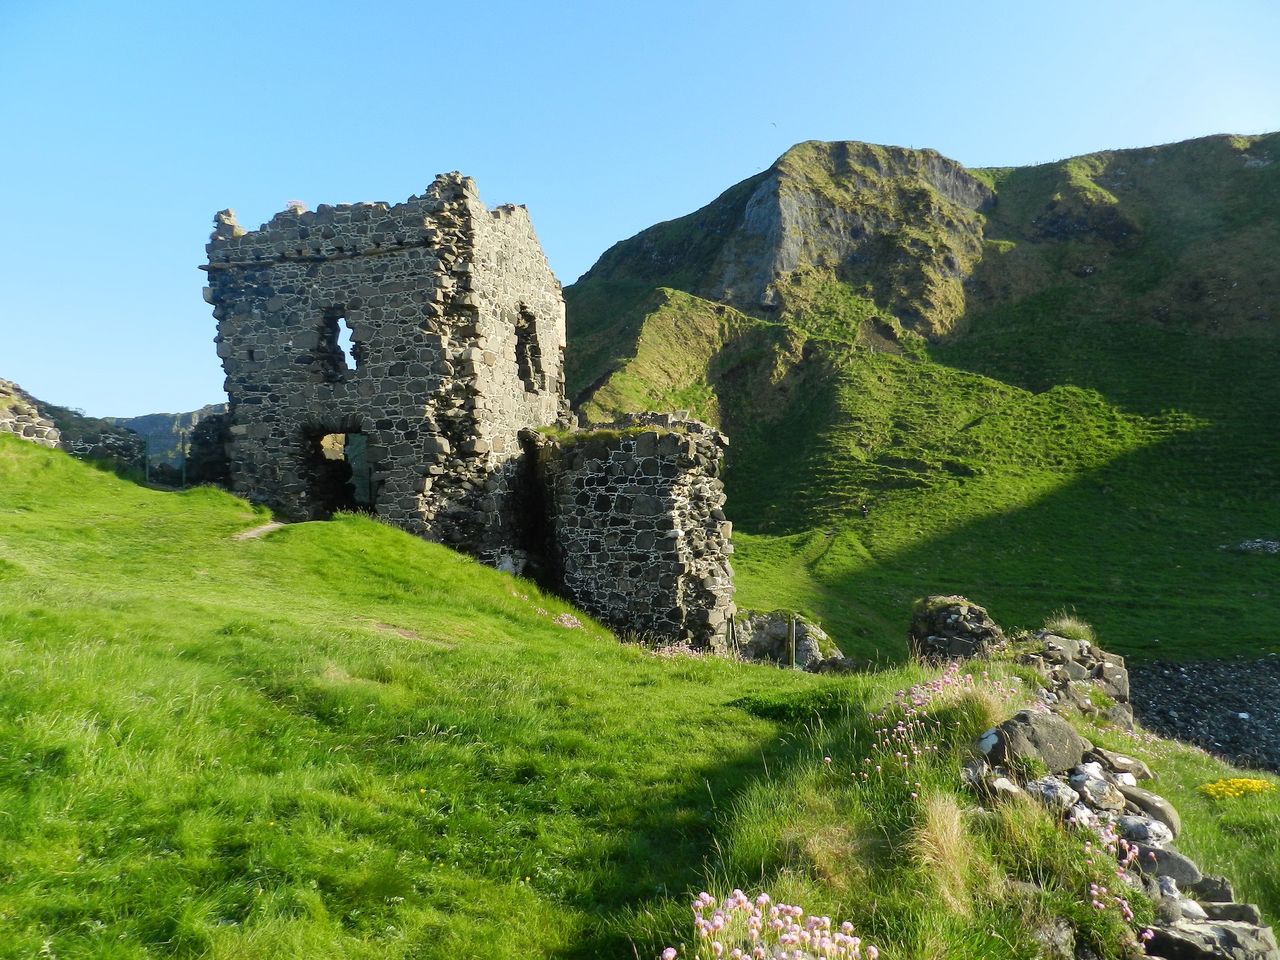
x=257, y=532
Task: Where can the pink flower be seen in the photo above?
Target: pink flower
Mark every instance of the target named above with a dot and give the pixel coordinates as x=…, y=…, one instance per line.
x=669, y=953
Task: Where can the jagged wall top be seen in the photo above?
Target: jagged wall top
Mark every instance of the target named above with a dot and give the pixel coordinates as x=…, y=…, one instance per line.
x=352, y=229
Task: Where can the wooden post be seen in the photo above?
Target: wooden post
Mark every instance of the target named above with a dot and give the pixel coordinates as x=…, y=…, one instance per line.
x=791, y=643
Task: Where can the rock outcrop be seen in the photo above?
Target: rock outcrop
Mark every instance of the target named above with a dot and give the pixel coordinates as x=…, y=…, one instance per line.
x=1095, y=789
x=20, y=415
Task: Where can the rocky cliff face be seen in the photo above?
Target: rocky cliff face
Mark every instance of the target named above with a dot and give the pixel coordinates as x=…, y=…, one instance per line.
x=900, y=228
x=165, y=433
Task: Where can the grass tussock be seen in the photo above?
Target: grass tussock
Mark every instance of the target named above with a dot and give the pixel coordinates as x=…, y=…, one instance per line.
x=1067, y=624
x=941, y=844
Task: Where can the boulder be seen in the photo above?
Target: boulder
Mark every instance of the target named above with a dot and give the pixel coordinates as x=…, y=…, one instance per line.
x=1205, y=939
x=1239, y=912
x=766, y=636
x=1054, y=793
x=1153, y=806
x=1119, y=763
x=1168, y=863
x=1098, y=793
x=1138, y=829
x=1029, y=736
x=1212, y=889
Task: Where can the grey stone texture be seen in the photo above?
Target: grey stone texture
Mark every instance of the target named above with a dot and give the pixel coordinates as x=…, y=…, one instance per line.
x=638, y=532
x=1074, y=669
x=1197, y=918
x=84, y=437
x=20, y=415
x=457, y=338
x=944, y=627
x=767, y=637
x=456, y=357
x=1031, y=736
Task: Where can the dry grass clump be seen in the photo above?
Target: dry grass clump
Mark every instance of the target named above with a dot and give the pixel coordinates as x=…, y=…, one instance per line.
x=942, y=845
x=1065, y=623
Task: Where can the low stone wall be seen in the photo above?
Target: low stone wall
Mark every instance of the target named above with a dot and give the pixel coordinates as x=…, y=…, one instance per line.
x=19, y=415
x=638, y=535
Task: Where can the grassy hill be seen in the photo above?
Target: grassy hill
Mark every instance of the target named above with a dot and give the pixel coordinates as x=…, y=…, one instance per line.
x=1051, y=379
x=338, y=740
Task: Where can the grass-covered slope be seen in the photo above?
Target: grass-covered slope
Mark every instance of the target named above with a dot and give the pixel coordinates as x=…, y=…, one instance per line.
x=337, y=740
x=1096, y=429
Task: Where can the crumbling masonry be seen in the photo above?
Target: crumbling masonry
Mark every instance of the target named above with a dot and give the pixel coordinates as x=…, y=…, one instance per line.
x=386, y=358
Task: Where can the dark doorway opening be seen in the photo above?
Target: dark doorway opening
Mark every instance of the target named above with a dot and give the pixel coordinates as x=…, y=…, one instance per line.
x=340, y=473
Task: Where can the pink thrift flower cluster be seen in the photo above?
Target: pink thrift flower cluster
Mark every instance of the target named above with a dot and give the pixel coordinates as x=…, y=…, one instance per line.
x=914, y=700
x=1112, y=847
x=566, y=620
x=740, y=928
x=899, y=745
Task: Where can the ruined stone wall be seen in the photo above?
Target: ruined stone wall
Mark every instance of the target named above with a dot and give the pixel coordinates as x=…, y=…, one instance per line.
x=638, y=526
x=431, y=290
x=20, y=415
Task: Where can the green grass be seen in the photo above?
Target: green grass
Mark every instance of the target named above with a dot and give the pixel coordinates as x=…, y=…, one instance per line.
x=339, y=740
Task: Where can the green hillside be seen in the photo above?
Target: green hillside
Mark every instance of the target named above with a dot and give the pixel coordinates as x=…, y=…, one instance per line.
x=335, y=739
x=1061, y=384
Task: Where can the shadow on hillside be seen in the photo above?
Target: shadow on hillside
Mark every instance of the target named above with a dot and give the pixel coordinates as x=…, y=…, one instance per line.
x=667, y=854
x=1134, y=546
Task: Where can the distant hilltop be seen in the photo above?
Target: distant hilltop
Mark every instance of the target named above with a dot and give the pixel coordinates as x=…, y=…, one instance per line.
x=165, y=433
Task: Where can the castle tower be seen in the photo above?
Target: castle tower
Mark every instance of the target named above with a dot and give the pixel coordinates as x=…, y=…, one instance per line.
x=384, y=358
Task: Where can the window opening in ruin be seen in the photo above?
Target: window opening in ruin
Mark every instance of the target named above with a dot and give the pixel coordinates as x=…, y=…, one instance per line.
x=338, y=351
x=340, y=474
x=528, y=355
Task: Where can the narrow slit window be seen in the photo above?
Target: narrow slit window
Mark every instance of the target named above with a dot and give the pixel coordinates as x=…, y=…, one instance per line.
x=528, y=355
x=338, y=351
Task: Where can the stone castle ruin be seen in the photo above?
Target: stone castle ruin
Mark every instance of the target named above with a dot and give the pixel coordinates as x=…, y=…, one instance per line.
x=400, y=360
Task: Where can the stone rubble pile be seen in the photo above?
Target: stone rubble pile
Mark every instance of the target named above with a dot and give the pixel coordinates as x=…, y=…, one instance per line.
x=944, y=628
x=1271, y=547
x=1076, y=671
x=766, y=637
x=1037, y=754
x=1223, y=706
x=20, y=415
x=84, y=437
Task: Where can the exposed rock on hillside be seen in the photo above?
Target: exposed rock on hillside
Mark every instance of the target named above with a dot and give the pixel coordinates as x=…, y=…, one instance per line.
x=767, y=636
x=1096, y=791
x=52, y=426
x=20, y=415
x=899, y=226
x=948, y=627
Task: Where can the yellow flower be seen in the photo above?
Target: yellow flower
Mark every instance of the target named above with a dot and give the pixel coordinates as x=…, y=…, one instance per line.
x=1233, y=787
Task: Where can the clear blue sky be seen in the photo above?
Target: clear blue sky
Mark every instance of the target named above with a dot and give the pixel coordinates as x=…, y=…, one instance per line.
x=124, y=126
